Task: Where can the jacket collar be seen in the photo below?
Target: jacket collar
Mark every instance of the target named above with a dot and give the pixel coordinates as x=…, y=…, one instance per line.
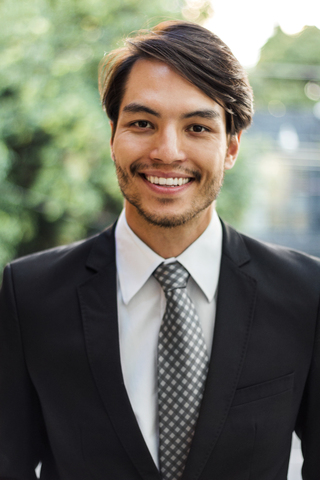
x=234, y=316
x=235, y=308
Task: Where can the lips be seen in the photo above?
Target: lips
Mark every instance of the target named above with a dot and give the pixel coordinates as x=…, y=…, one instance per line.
x=168, y=182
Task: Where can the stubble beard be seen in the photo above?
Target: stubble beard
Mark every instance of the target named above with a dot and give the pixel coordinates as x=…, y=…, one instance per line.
x=208, y=196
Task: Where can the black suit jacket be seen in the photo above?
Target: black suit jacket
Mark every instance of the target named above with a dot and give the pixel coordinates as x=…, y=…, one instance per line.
x=62, y=397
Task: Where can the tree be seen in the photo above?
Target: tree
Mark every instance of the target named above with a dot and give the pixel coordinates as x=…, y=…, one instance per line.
x=56, y=177
x=236, y=191
x=289, y=65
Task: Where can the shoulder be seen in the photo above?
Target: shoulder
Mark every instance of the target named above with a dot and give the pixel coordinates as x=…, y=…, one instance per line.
x=235, y=240
x=281, y=266
x=277, y=254
x=68, y=261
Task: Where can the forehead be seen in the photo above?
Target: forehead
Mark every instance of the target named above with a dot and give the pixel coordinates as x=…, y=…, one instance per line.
x=154, y=82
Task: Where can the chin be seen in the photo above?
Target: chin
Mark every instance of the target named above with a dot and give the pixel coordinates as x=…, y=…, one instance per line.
x=165, y=221
x=170, y=220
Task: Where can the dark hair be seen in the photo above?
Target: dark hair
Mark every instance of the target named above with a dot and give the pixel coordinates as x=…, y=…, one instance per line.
x=196, y=54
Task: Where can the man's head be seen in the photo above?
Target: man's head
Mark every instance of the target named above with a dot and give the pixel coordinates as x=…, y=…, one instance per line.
x=178, y=101
x=196, y=54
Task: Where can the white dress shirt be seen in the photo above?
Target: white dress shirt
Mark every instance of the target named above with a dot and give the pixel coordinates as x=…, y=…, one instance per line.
x=141, y=306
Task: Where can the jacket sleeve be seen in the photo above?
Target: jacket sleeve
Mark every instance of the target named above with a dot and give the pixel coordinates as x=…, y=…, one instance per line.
x=308, y=424
x=21, y=425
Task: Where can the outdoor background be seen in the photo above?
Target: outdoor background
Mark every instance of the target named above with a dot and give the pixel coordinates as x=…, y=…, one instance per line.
x=57, y=180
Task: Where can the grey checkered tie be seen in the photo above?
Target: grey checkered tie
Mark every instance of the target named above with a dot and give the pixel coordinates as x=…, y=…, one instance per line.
x=182, y=370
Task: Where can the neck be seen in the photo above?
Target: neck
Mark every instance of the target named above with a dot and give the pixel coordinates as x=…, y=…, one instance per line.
x=168, y=242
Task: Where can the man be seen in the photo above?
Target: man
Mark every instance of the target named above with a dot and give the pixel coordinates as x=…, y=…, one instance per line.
x=115, y=363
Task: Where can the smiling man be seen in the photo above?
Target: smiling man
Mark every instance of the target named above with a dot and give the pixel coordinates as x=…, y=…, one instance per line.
x=171, y=148
x=169, y=346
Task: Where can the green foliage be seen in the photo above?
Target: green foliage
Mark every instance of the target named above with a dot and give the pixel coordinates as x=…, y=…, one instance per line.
x=235, y=195
x=197, y=10
x=287, y=63
x=301, y=48
x=56, y=177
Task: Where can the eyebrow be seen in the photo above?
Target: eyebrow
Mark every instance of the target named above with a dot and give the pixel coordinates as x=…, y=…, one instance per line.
x=137, y=108
x=209, y=114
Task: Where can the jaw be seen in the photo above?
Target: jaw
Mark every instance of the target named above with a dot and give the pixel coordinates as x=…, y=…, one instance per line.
x=150, y=204
x=167, y=215
x=159, y=208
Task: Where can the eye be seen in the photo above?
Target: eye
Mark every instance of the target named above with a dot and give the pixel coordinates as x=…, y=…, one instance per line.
x=142, y=124
x=198, y=129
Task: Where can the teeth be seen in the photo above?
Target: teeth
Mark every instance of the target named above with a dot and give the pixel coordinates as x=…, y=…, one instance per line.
x=172, y=182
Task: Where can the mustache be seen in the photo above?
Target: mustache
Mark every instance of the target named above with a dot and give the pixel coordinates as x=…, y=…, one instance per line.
x=138, y=167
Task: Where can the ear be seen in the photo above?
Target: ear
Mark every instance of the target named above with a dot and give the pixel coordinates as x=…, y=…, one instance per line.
x=232, y=150
x=111, y=139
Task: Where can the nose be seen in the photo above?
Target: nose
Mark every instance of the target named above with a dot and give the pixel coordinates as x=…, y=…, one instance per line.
x=168, y=146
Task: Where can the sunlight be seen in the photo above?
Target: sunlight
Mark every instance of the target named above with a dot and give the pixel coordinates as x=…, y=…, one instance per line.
x=245, y=26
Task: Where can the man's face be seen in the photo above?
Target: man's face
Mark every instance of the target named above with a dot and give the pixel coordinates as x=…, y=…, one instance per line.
x=170, y=147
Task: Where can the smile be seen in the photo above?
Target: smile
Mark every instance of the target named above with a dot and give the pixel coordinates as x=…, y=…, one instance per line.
x=171, y=182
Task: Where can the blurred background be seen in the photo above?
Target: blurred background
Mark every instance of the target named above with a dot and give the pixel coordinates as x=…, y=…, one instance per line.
x=57, y=180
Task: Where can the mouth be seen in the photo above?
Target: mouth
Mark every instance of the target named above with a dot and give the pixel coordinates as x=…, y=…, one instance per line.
x=168, y=182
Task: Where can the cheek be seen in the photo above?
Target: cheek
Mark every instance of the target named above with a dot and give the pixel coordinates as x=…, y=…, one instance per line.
x=212, y=150
x=210, y=161
x=127, y=150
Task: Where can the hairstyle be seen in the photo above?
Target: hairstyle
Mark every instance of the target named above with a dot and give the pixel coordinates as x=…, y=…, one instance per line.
x=192, y=51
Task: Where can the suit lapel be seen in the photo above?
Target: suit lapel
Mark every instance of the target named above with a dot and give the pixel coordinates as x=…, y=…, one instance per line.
x=235, y=307
x=98, y=302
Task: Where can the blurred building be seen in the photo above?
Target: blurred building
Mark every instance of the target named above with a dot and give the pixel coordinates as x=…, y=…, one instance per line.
x=285, y=206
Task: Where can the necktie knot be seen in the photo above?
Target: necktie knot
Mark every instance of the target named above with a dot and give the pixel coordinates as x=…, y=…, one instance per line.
x=171, y=276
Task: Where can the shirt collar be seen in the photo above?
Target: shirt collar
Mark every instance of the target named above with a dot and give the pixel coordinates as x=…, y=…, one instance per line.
x=136, y=261
x=202, y=258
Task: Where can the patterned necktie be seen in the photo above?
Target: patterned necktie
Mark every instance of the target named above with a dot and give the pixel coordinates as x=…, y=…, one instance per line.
x=182, y=370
